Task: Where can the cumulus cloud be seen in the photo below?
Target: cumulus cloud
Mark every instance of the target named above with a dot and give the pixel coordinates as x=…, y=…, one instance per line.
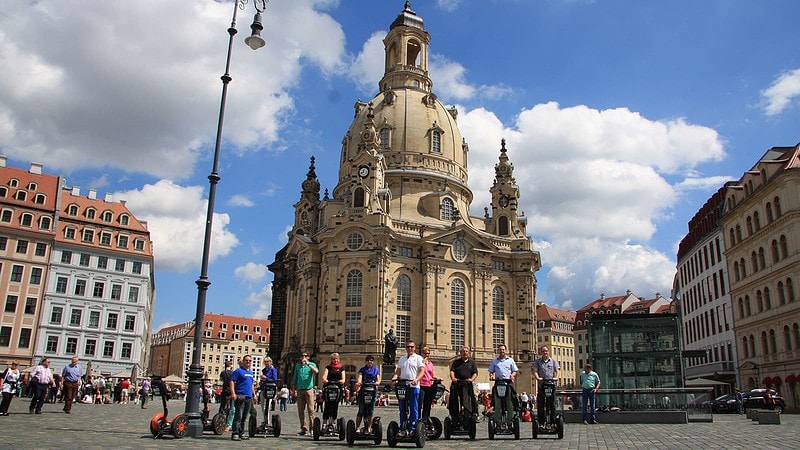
x=176, y=218
x=262, y=301
x=251, y=272
x=781, y=92
x=63, y=102
x=240, y=200
x=594, y=187
x=448, y=5
x=367, y=66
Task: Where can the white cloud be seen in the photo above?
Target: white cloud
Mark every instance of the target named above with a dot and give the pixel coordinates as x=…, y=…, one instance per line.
x=262, y=301
x=703, y=183
x=367, y=67
x=284, y=237
x=594, y=188
x=240, y=200
x=251, y=272
x=448, y=5
x=145, y=101
x=780, y=94
x=176, y=217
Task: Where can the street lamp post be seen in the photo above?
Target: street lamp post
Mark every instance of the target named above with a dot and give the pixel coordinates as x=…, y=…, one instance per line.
x=195, y=373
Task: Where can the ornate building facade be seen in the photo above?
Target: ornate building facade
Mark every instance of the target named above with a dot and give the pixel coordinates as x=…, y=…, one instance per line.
x=393, y=247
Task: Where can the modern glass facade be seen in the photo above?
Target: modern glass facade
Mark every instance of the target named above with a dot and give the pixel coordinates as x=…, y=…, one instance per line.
x=636, y=351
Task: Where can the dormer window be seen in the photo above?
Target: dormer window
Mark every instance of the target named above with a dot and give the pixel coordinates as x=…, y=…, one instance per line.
x=21, y=195
x=436, y=141
x=13, y=182
x=69, y=233
x=3, y=191
x=447, y=209
x=39, y=199
x=107, y=216
x=90, y=213
x=32, y=186
x=45, y=223
x=72, y=210
x=138, y=245
x=123, y=219
x=26, y=220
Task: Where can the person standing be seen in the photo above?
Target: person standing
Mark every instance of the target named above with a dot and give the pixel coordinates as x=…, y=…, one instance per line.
x=144, y=392
x=242, y=392
x=368, y=375
x=463, y=372
x=42, y=379
x=427, y=390
x=544, y=368
x=411, y=368
x=226, y=405
x=504, y=368
x=590, y=383
x=124, y=385
x=283, y=397
x=303, y=381
x=739, y=401
x=10, y=379
x=71, y=374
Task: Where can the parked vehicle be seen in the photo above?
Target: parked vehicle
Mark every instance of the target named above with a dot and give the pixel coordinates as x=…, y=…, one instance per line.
x=764, y=399
x=724, y=404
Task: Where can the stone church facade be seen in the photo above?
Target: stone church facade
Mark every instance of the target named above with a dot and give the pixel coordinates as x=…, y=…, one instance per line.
x=393, y=246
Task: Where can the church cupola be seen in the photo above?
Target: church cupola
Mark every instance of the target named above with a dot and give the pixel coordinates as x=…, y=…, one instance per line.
x=406, y=53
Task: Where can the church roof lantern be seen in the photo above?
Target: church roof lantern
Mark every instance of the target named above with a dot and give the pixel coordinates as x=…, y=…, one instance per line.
x=408, y=18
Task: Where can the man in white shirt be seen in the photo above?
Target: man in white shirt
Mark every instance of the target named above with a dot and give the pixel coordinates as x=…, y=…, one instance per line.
x=410, y=368
x=42, y=380
x=504, y=368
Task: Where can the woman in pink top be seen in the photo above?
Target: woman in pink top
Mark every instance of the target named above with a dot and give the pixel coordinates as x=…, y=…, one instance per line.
x=427, y=390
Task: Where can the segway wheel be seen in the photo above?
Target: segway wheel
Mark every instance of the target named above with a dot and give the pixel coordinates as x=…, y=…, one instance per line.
x=156, y=423
x=377, y=430
x=560, y=427
x=391, y=434
x=317, y=428
x=472, y=430
x=535, y=429
x=491, y=428
x=515, y=423
x=340, y=426
x=448, y=427
x=436, y=428
x=350, y=433
x=420, y=435
x=180, y=426
x=218, y=423
x=276, y=425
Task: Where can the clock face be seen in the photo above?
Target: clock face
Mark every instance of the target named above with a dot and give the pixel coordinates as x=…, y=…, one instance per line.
x=363, y=171
x=503, y=201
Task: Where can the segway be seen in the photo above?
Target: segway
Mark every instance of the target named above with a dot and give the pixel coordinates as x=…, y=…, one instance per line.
x=508, y=422
x=160, y=425
x=395, y=432
x=215, y=424
x=375, y=434
x=464, y=423
x=265, y=429
x=332, y=393
x=553, y=421
x=433, y=426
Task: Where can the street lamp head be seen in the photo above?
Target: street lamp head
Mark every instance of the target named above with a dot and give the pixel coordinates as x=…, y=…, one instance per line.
x=255, y=41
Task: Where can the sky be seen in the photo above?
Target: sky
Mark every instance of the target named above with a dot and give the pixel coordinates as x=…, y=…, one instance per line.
x=621, y=119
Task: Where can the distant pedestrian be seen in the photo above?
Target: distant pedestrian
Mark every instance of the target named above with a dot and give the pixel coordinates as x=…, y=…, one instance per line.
x=10, y=379
x=283, y=397
x=303, y=381
x=226, y=404
x=590, y=383
x=42, y=380
x=739, y=401
x=125, y=385
x=71, y=374
x=144, y=392
x=242, y=392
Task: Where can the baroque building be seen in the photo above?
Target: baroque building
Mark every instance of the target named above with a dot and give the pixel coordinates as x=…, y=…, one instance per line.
x=393, y=246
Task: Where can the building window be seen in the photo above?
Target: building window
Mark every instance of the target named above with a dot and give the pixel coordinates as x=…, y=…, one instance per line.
x=385, y=135
x=447, y=209
x=133, y=294
x=137, y=267
x=105, y=238
x=6, y=216
x=52, y=344
x=436, y=141
x=102, y=262
x=352, y=327
x=41, y=249
x=75, y=317
x=90, y=213
x=16, y=273
x=56, y=314
x=498, y=334
x=21, y=195
x=456, y=333
x=90, y=348
x=61, y=285
x=402, y=328
x=88, y=235
x=119, y=266
x=123, y=219
x=498, y=304
x=108, y=349
x=80, y=287
x=126, y=351
x=459, y=250
x=111, y=323
x=36, y=275
x=354, y=287
x=5, y=336
x=99, y=287
x=407, y=252
x=4, y=243
x=72, y=346
x=84, y=260
x=116, y=291
x=22, y=247
x=94, y=319
x=138, y=245
x=45, y=223
x=66, y=257
x=69, y=233
x=107, y=216
x=26, y=220
x=122, y=241
x=354, y=241
x=130, y=322
x=403, y=293
x=457, y=296
x=11, y=304
x=30, y=305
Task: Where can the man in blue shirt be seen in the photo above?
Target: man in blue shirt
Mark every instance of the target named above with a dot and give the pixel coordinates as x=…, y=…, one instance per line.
x=544, y=368
x=71, y=374
x=269, y=374
x=590, y=383
x=242, y=390
x=503, y=368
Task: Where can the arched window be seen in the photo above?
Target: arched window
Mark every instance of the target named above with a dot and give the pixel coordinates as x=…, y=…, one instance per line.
x=26, y=219
x=787, y=338
x=764, y=345
x=773, y=342
x=447, y=209
x=781, y=294
x=742, y=268
x=770, y=218
x=72, y=210
x=777, y=202
x=756, y=221
x=457, y=297
x=784, y=247
x=762, y=260
x=21, y=195
x=775, y=255
x=498, y=303
x=744, y=346
x=736, y=276
x=403, y=293
x=747, y=305
x=90, y=213
x=39, y=199
x=354, y=287
x=107, y=216
x=759, y=301
x=436, y=141
x=790, y=289
x=385, y=135
x=502, y=226
x=358, y=198
x=3, y=191
x=796, y=333
x=45, y=223
x=749, y=225
x=752, y=345
x=741, y=308
x=123, y=219
x=738, y=233
x=767, y=299
x=754, y=261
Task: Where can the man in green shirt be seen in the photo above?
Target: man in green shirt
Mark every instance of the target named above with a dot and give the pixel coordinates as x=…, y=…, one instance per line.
x=303, y=381
x=590, y=383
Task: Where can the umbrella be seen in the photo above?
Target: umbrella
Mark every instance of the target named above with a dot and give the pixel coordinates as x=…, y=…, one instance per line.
x=88, y=374
x=173, y=379
x=134, y=373
x=705, y=382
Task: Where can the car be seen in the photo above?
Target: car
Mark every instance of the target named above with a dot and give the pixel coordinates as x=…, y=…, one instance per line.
x=755, y=398
x=724, y=404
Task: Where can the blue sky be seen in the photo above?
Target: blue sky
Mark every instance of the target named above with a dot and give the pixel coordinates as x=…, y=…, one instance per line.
x=621, y=117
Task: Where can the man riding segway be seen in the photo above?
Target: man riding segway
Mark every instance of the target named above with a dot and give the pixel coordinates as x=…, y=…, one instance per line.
x=463, y=406
x=504, y=418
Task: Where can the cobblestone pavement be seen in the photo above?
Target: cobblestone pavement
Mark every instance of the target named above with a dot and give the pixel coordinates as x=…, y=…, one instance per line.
x=127, y=426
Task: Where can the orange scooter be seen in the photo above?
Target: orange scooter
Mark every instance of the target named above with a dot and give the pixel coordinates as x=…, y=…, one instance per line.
x=160, y=425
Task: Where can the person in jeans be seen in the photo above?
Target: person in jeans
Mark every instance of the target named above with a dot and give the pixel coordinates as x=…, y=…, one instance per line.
x=544, y=368
x=303, y=381
x=71, y=374
x=411, y=368
x=590, y=383
x=242, y=392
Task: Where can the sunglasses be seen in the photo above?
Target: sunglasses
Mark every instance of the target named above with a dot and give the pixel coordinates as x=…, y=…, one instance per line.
x=409, y=346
